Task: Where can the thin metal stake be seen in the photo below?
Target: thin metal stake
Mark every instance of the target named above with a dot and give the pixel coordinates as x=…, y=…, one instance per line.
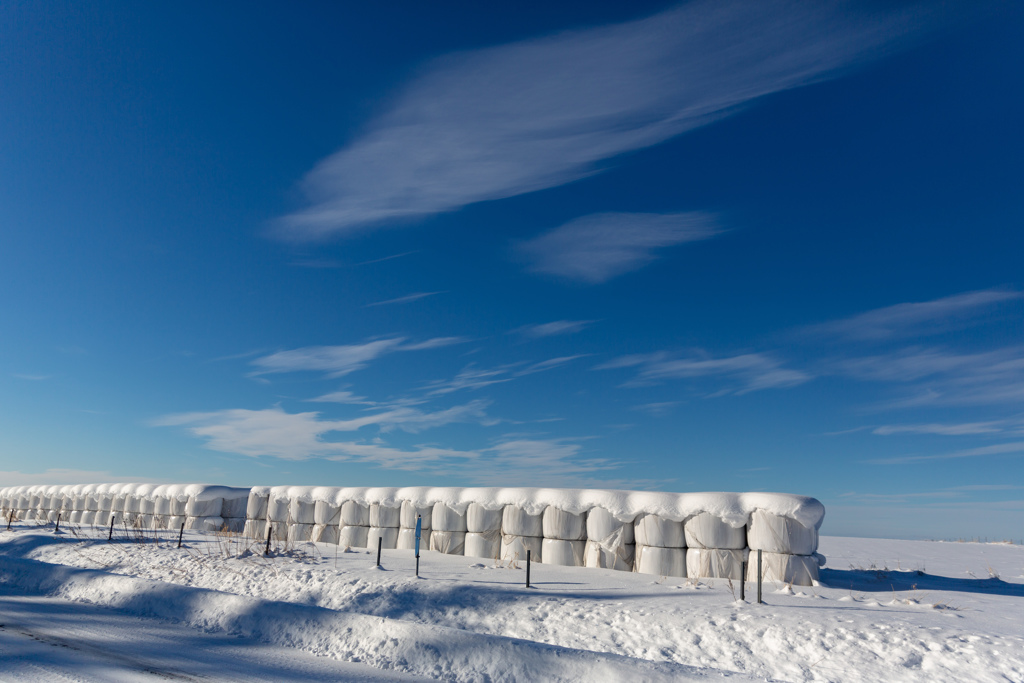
x=380, y=542
x=527, y=567
x=270, y=530
x=743, y=581
x=57, y=528
x=181, y=533
x=110, y=536
x=759, y=576
x=9, y=520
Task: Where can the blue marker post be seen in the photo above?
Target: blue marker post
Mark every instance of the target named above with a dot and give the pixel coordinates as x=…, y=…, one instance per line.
x=419, y=528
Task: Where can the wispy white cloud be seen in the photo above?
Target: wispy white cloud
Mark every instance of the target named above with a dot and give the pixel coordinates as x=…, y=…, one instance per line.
x=55, y=476
x=918, y=319
x=660, y=409
x=997, y=449
x=498, y=122
x=744, y=373
x=523, y=461
x=598, y=247
x=549, y=364
x=557, y=327
x=959, y=429
x=342, y=396
x=32, y=378
x=337, y=361
x=408, y=298
x=473, y=377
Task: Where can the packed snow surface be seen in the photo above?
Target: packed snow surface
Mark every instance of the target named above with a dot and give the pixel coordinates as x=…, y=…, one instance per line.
x=886, y=611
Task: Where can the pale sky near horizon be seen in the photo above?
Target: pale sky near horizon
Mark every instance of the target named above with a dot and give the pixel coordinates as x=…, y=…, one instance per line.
x=700, y=246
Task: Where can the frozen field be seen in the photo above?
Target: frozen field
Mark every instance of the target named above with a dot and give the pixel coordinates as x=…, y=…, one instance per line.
x=76, y=607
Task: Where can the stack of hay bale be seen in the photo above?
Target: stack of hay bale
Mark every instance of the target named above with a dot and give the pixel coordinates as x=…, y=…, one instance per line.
x=565, y=535
x=407, y=529
x=521, y=531
x=610, y=542
x=714, y=548
x=448, y=530
x=788, y=549
x=483, y=535
x=384, y=523
x=660, y=546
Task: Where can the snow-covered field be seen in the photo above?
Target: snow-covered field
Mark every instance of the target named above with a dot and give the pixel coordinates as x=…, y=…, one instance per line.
x=79, y=607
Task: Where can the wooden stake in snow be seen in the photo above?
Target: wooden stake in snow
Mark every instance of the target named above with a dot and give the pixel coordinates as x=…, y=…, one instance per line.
x=743, y=581
x=759, y=576
x=380, y=543
x=527, y=567
x=181, y=533
x=110, y=536
x=270, y=530
x=57, y=528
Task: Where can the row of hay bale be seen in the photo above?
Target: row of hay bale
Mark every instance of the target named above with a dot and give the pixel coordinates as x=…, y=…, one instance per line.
x=701, y=545
x=139, y=506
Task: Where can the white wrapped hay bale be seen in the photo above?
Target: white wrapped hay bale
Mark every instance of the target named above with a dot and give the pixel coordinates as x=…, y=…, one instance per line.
x=117, y=502
x=162, y=506
x=715, y=563
x=353, y=536
x=410, y=511
x=513, y=548
x=80, y=502
x=775, y=534
x=562, y=552
x=447, y=520
x=601, y=556
x=212, y=523
x=327, y=514
x=480, y=519
x=277, y=509
x=106, y=501
x=661, y=561
x=407, y=539
x=147, y=506
x=299, y=533
x=51, y=516
x=160, y=521
x=601, y=524
x=385, y=516
x=92, y=502
x=278, y=530
x=234, y=524
x=486, y=544
x=326, y=533
x=74, y=518
x=652, y=530
x=388, y=536
x=174, y=522
x=256, y=505
x=448, y=542
x=708, y=531
x=254, y=528
x=301, y=512
x=202, y=505
x=234, y=507
x=799, y=570
x=133, y=503
x=145, y=521
x=561, y=525
x=515, y=521
x=355, y=514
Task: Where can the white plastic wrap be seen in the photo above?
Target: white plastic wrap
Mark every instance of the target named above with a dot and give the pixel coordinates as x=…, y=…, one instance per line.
x=409, y=512
x=147, y=506
x=388, y=536
x=715, y=563
x=212, y=523
x=256, y=505
x=448, y=542
x=661, y=561
x=601, y=525
x=480, y=519
x=707, y=531
x=385, y=516
x=117, y=503
x=771, y=533
x=513, y=548
x=255, y=529
x=326, y=533
x=562, y=552
x=516, y=521
x=486, y=544
x=407, y=539
x=299, y=533
x=353, y=536
x=599, y=557
x=204, y=507
x=562, y=525
x=162, y=506
x=75, y=517
x=799, y=570
x=277, y=509
x=446, y=519
x=301, y=512
x=355, y=514
x=278, y=531
x=652, y=530
x=327, y=514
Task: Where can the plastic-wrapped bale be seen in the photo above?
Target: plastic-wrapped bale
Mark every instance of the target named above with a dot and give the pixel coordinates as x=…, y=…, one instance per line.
x=117, y=502
x=708, y=531
x=235, y=505
x=256, y=505
x=174, y=522
x=409, y=513
x=660, y=561
x=147, y=506
x=352, y=536
x=517, y=522
x=209, y=524
x=513, y=548
x=484, y=536
x=715, y=563
x=75, y=517
x=299, y=533
x=160, y=521
x=774, y=534
x=561, y=552
x=162, y=506
x=255, y=529
x=327, y=514
x=325, y=533
x=278, y=531
x=444, y=518
x=355, y=514
x=92, y=501
x=133, y=503
x=277, y=510
x=799, y=570
x=610, y=543
x=106, y=501
x=204, y=505
x=652, y=530
x=565, y=526
x=387, y=535
x=448, y=542
x=407, y=538
x=302, y=512
x=385, y=516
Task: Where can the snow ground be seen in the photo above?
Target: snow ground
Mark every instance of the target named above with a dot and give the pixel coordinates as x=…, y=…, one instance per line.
x=889, y=610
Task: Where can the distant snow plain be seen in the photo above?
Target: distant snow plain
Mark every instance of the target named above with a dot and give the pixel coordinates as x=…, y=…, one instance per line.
x=74, y=606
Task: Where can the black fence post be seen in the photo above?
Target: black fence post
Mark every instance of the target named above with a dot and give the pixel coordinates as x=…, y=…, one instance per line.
x=181, y=533
x=270, y=530
x=110, y=536
x=380, y=543
x=759, y=576
x=743, y=581
x=527, y=567
x=9, y=520
x=57, y=528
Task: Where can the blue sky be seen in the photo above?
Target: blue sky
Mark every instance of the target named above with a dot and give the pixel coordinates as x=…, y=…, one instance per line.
x=699, y=246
